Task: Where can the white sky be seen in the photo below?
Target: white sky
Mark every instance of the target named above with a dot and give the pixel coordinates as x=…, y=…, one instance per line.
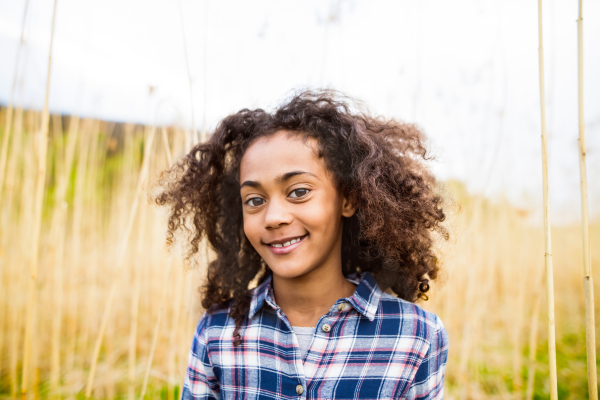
x=465, y=71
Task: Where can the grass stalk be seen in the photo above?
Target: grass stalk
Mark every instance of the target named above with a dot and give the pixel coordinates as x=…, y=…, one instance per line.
x=588, y=282
x=9, y=110
x=547, y=233
x=58, y=301
x=8, y=255
x=59, y=219
x=77, y=236
x=166, y=146
x=37, y=220
x=533, y=333
x=90, y=273
x=174, y=335
x=156, y=329
x=533, y=346
x=16, y=281
x=135, y=305
x=14, y=356
x=120, y=261
x=4, y=314
x=189, y=76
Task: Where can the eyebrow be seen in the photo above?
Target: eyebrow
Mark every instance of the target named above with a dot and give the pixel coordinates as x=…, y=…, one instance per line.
x=280, y=179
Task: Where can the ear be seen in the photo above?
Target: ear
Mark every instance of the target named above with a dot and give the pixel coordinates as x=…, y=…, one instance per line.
x=348, y=206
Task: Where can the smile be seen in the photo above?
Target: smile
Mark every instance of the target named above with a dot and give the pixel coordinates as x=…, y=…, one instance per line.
x=287, y=246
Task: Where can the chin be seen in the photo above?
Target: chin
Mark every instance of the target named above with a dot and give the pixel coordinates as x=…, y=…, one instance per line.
x=289, y=271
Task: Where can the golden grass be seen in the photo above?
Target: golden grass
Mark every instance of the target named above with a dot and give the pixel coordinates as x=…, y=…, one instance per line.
x=489, y=299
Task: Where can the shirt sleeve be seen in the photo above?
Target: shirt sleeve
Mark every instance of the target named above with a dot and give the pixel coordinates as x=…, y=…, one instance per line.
x=200, y=381
x=429, y=379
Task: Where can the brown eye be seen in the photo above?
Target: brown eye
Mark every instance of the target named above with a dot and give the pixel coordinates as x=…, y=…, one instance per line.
x=255, y=202
x=296, y=194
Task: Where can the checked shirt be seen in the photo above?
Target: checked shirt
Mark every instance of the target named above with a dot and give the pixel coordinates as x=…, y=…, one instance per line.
x=371, y=345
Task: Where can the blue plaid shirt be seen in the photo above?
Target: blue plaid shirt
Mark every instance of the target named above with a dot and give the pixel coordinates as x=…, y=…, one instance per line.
x=371, y=345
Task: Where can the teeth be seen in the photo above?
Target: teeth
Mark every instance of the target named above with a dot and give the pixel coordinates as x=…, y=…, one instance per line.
x=286, y=243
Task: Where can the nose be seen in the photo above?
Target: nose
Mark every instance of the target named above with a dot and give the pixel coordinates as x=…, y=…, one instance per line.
x=277, y=214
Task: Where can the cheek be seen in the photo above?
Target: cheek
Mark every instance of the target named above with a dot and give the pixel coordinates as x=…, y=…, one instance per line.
x=250, y=229
x=322, y=217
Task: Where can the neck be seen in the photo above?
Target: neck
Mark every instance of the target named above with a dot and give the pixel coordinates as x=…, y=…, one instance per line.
x=306, y=298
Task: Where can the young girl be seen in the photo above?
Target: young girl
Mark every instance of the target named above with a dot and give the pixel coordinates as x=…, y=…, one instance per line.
x=331, y=213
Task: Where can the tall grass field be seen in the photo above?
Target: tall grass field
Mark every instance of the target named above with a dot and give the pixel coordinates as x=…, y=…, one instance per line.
x=102, y=257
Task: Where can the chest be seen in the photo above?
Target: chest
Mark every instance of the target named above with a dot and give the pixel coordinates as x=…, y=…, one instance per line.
x=349, y=357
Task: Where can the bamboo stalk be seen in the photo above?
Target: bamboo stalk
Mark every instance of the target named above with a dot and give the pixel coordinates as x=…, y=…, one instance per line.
x=588, y=282
x=9, y=111
x=120, y=261
x=37, y=220
x=547, y=233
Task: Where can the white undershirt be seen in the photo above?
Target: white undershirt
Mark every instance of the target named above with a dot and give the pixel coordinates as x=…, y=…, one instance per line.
x=304, y=336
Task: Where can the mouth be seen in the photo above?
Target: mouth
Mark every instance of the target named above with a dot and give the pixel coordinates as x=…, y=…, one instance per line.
x=285, y=246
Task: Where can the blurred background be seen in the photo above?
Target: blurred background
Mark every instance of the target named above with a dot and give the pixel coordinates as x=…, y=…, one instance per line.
x=133, y=84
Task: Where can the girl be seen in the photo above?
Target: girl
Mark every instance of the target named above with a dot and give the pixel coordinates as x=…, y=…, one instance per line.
x=331, y=213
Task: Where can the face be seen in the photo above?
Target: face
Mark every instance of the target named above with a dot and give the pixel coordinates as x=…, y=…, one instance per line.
x=293, y=213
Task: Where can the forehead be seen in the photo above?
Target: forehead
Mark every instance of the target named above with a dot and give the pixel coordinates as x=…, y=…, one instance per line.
x=284, y=151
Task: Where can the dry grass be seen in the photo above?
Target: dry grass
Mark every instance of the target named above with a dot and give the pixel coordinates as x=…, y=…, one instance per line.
x=493, y=285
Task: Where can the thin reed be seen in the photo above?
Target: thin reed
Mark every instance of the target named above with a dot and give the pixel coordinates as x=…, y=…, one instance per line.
x=588, y=281
x=547, y=227
x=29, y=344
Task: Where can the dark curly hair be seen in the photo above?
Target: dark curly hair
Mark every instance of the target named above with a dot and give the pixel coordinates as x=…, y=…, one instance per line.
x=378, y=163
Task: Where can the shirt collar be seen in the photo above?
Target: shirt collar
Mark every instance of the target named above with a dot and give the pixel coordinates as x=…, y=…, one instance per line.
x=365, y=299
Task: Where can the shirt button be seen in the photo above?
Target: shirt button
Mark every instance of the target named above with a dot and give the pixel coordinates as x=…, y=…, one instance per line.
x=341, y=306
x=299, y=389
x=326, y=328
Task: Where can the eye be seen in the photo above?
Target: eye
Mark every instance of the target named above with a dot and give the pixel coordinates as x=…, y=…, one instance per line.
x=296, y=194
x=255, y=202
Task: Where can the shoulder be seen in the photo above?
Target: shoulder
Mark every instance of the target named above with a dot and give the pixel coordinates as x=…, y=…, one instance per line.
x=411, y=319
x=218, y=317
x=213, y=319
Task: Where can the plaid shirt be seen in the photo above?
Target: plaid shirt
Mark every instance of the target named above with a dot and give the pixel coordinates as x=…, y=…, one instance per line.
x=371, y=345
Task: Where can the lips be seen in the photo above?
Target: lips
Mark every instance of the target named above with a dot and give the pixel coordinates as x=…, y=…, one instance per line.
x=286, y=245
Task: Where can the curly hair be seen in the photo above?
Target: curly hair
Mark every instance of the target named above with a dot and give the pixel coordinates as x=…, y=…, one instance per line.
x=380, y=164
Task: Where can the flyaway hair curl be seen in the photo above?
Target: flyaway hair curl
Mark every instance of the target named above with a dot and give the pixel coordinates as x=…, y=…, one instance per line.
x=380, y=164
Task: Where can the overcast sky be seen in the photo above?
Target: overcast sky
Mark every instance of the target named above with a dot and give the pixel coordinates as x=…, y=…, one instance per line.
x=465, y=71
